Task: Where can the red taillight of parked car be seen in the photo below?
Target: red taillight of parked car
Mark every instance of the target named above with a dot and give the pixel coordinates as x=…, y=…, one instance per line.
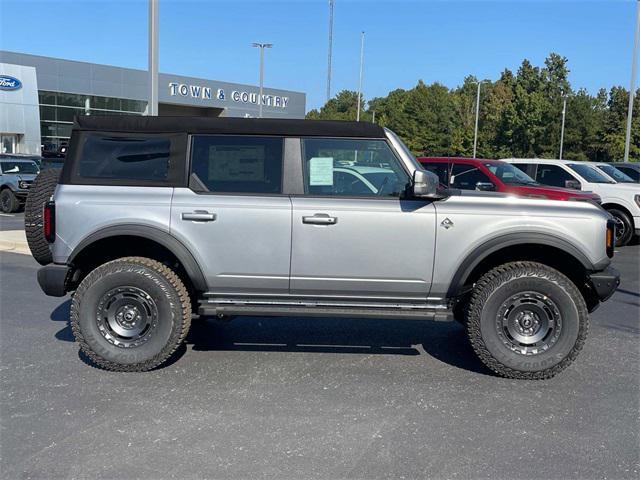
x=49, y=221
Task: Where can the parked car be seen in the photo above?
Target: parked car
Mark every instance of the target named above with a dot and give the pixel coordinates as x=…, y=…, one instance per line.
x=270, y=217
x=496, y=176
x=613, y=172
x=622, y=200
x=16, y=176
x=630, y=169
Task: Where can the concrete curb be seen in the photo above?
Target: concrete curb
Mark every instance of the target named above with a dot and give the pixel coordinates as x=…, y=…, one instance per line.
x=14, y=241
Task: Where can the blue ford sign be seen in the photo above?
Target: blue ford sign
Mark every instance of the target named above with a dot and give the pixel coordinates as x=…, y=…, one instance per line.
x=9, y=83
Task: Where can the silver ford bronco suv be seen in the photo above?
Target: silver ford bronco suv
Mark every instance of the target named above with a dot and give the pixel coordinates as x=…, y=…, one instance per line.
x=156, y=220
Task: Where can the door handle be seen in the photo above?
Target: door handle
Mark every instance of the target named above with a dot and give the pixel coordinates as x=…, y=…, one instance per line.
x=199, y=216
x=320, y=219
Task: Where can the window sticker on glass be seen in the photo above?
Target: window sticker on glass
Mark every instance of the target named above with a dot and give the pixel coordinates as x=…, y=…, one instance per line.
x=235, y=163
x=321, y=171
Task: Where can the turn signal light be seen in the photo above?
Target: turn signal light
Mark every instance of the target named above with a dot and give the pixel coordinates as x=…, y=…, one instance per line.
x=611, y=237
x=49, y=221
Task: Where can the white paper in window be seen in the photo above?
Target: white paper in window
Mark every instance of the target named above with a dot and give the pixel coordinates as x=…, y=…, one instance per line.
x=321, y=171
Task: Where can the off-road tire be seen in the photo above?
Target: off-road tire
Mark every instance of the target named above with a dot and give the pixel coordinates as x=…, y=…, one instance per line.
x=9, y=203
x=41, y=190
x=495, y=289
x=173, y=313
x=623, y=217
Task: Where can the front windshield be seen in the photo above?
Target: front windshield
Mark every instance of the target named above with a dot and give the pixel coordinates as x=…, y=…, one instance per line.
x=509, y=174
x=589, y=173
x=22, y=168
x=617, y=175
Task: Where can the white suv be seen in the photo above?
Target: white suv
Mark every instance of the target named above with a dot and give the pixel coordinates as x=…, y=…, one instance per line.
x=622, y=200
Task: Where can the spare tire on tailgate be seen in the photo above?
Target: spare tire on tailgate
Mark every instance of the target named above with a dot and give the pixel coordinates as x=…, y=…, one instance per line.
x=39, y=194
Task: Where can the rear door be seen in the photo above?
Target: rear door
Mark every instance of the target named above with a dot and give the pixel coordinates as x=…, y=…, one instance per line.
x=354, y=240
x=234, y=217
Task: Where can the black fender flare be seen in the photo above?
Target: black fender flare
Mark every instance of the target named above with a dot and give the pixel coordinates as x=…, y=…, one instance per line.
x=154, y=234
x=493, y=245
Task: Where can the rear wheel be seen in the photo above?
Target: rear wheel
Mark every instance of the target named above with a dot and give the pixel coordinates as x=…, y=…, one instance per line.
x=526, y=320
x=39, y=194
x=9, y=203
x=624, y=227
x=130, y=314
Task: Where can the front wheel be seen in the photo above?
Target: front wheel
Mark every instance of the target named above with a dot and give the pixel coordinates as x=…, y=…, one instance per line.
x=130, y=314
x=526, y=320
x=9, y=203
x=624, y=226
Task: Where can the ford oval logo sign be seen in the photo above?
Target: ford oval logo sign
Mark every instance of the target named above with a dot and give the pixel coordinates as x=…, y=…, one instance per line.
x=9, y=83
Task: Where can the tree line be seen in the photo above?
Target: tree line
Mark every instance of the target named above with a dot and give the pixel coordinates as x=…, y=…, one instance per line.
x=520, y=116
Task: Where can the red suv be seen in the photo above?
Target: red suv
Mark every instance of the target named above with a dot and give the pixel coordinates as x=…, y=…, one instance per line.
x=496, y=176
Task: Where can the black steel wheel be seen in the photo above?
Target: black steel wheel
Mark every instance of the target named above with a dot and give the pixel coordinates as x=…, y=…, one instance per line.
x=127, y=316
x=529, y=323
x=130, y=314
x=526, y=320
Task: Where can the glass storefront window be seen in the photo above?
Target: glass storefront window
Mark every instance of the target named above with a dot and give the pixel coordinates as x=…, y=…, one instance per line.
x=47, y=98
x=57, y=112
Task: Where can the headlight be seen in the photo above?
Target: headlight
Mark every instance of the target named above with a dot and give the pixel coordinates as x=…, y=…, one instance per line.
x=23, y=185
x=637, y=199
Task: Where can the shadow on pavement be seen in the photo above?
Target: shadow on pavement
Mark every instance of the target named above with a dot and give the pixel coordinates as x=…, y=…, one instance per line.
x=445, y=341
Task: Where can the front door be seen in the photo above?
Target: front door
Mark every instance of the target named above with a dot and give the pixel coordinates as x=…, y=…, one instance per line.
x=234, y=217
x=354, y=237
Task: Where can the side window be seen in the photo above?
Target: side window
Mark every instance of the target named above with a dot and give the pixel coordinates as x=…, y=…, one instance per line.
x=143, y=158
x=440, y=169
x=465, y=177
x=553, y=175
x=237, y=164
x=350, y=167
x=634, y=174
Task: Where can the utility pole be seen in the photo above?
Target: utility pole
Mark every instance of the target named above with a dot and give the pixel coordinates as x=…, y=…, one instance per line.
x=261, y=46
x=564, y=114
x=632, y=89
x=330, y=49
x=152, y=107
x=475, y=130
x=360, y=82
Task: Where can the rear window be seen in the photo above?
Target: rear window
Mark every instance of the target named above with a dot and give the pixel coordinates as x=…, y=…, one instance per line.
x=129, y=159
x=237, y=164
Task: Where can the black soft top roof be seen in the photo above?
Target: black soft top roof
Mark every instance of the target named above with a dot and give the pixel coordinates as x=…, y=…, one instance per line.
x=222, y=125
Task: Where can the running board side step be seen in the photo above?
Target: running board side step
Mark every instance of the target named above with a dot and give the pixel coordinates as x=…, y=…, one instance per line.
x=211, y=309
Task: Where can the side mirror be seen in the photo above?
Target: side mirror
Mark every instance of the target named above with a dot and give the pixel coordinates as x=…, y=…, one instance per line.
x=425, y=184
x=573, y=184
x=485, y=187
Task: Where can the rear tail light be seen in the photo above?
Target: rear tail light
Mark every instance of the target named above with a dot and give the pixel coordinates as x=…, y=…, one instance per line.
x=611, y=237
x=49, y=221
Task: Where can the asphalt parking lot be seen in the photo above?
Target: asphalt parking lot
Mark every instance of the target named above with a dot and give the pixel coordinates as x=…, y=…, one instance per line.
x=313, y=398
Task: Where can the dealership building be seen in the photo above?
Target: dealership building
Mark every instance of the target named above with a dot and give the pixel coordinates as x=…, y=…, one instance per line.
x=39, y=97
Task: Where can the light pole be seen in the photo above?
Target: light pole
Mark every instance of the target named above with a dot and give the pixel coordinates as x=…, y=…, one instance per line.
x=261, y=46
x=475, y=130
x=564, y=114
x=632, y=90
x=360, y=82
x=330, y=50
x=152, y=107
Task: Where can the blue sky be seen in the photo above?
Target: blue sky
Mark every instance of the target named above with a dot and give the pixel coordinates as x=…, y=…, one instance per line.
x=405, y=40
